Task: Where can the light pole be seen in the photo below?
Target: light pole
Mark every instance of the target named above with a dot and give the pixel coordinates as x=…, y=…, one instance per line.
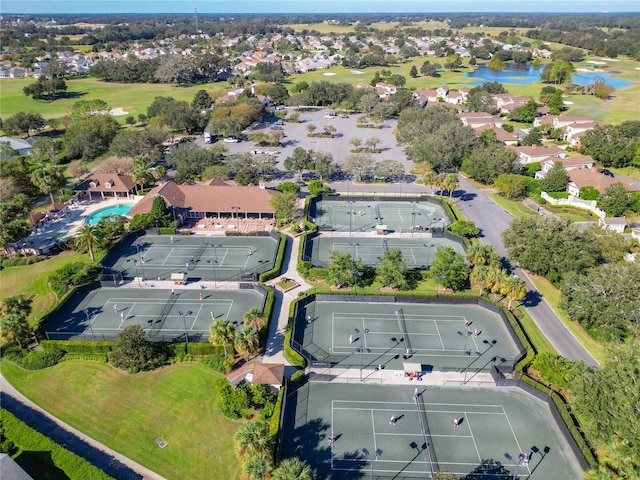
x=351, y=213
x=376, y=454
x=184, y=322
x=413, y=218
x=140, y=260
x=428, y=247
x=135, y=264
x=467, y=355
x=362, y=348
x=464, y=350
x=88, y=315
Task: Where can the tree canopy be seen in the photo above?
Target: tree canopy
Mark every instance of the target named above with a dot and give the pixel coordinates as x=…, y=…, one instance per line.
x=450, y=269
x=549, y=246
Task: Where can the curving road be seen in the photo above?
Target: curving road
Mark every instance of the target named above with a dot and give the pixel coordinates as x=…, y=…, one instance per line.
x=491, y=219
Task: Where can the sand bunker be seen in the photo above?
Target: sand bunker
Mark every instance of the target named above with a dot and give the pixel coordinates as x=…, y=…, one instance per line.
x=596, y=62
x=357, y=72
x=329, y=74
x=118, y=112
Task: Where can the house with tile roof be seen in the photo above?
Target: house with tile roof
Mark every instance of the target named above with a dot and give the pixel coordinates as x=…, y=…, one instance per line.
x=590, y=177
x=535, y=153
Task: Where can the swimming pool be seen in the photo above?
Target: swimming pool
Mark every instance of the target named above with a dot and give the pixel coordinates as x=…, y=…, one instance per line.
x=121, y=209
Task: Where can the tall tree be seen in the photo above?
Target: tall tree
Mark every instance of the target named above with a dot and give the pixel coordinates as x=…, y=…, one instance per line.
x=222, y=334
x=88, y=237
x=343, y=269
x=247, y=341
x=616, y=200
x=132, y=352
x=556, y=179
x=299, y=161
x=392, y=270
x=285, y=206
x=450, y=269
x=22, y=123
x=252, y=438
x=49, y=179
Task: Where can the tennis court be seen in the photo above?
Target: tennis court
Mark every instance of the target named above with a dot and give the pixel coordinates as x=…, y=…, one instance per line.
x=164, y=315
x=364, y=215
x=460, y=337
x=205, y=258
x=495, y=428
x=417, y=252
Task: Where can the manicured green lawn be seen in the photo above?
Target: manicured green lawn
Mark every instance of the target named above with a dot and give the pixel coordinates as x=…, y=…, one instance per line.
x=517, y=209
x=134, y=98
x=539, y=341
x=32, y=280
x=552, y=295
x=129, y=412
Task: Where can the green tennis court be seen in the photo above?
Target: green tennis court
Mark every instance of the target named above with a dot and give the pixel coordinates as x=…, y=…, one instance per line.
x=205, y=258
x=417, y=252
x=101, y=314
x=364, y=215
x=495, y=428
x=460, y=337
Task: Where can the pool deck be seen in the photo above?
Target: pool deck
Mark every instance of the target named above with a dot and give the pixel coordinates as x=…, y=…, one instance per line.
x=68, y=225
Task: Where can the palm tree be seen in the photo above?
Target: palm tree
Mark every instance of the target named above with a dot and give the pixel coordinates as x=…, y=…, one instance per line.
x=482, y=254
x=439, y=183
x=221, y=334
x=516, y=289
x=292, y=469
x=451, y=182
x=48, y=180
x=430, y=178
x=247, y=341
x=256, y=467
x=254, y=319
x=15, y=327
x=252, y=438
x=478, y=277
x=88, y=237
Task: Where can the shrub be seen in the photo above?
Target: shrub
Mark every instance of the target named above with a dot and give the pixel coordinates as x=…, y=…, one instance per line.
x=73, y=274
x=557, y=370
x=18, y=261
x=288, y=187
x=29, y=439
x=214, y=362
x=39, y=359
x=78, y=347
x=233, y=402
x=297, y=376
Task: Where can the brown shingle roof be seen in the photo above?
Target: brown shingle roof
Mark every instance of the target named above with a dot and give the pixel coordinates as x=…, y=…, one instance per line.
x=268, y=374
x=584, y=177
x=119, y=183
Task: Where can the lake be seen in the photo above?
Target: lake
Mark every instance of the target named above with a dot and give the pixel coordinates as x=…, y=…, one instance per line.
x=526, y=74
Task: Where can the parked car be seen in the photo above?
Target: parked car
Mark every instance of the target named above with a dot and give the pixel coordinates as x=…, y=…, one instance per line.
x=276, y=127
x=330, y=115
x=231, y=140
x=257, y=152
x=344, y=116
x=608, y=173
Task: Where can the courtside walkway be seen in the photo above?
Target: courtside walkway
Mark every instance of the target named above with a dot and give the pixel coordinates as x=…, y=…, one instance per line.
x=398, y=377
x=110, y=461
x=274, y=350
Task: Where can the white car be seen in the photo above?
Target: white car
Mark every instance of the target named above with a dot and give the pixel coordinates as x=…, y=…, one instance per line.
x=231, y=140
x=329, y=115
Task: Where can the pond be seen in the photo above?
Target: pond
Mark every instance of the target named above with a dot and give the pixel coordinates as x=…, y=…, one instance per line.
x=526, y=74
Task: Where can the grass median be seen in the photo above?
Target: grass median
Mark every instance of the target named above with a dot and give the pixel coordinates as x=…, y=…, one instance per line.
x=129, y=412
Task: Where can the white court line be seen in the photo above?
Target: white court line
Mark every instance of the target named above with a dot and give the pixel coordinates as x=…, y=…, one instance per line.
x=226, y=251
x=195, y=318
x=435, y=323
x=490, y=405
x=466, y=417
x=169, y=255
x=416, y=316
x=373, y=427
x=513, y=433
x=415, y=262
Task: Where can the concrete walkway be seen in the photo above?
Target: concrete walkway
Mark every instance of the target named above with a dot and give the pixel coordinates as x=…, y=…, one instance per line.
x=109, y=461
x=274, y=350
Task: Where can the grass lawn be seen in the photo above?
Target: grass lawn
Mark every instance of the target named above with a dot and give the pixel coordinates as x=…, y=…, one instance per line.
x=128, y=412
x=552, y=295
x=517, y=209
x=539, y=341
x=32, y=280
x=134, y=98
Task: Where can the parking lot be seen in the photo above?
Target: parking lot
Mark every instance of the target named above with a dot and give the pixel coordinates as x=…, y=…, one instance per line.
x=339, y=146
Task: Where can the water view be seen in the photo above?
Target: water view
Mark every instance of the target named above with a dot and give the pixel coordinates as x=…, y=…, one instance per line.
x=526, y=74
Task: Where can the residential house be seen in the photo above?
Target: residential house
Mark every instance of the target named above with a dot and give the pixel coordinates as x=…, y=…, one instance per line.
x=478, y=119
x=107, y=185
x=425, y=95
x=573, y=133
x=583, y=177
x=502, y=135
x=385, y=90
x=563, y=120
x=617, y=224
x=22, y=146
x=569, y=163
x=534, y=153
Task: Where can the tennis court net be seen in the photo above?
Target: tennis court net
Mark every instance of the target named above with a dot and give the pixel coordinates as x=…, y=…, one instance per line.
x=426, y=435
x=163, y=315
x=378, y=216
x=199, y=252
x=403, y=330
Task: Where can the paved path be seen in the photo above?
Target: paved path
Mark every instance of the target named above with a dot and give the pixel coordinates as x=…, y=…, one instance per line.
x=111, y=462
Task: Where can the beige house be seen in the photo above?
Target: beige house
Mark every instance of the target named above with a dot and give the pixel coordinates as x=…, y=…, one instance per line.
x=534, y=153
x=106, y=185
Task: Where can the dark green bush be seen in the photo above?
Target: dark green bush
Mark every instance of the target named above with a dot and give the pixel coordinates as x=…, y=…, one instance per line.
x=39, y=359
x=214, y=362
x=93, y=357
x=29, y=439
x=167, y=231
x=78, y=347
x=297, y=376
x=18, y=261
x=203, y=349
x=72, y=275
x=233, y=402
x=557, y=370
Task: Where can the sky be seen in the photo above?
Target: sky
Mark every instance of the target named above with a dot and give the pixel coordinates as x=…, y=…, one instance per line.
x=314, y=6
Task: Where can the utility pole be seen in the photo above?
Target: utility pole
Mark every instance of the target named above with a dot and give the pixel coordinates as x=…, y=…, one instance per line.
x=195, y=9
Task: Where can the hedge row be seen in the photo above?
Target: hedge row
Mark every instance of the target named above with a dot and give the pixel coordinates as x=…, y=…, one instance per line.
x=275, y=271
x=290, y=354
x=78, y=346
x=27, y=438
